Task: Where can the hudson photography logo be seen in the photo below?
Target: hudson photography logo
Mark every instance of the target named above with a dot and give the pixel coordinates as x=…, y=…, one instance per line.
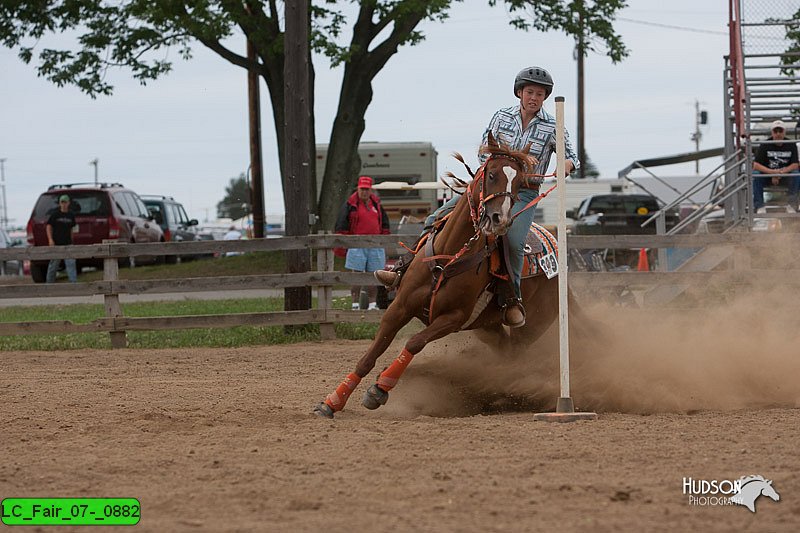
x=743, y=491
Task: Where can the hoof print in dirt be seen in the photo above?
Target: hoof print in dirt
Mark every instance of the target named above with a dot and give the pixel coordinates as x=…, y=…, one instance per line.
x=323, y=410
x=374, y=397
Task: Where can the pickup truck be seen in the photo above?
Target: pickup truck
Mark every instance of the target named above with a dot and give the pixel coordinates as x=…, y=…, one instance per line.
x=617, y=214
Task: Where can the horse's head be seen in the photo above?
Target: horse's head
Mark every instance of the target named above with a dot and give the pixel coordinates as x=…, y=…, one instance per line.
x=495, y=189
x=768, y=490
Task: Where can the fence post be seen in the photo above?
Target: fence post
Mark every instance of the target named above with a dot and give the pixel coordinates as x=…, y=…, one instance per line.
x=327, y=330
x=113, y=309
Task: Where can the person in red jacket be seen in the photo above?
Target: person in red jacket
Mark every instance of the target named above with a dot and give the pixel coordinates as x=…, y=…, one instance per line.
x=362, y=214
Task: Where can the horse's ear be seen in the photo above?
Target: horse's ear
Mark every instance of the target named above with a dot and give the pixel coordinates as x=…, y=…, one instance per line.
x=491, y=140
x=527, y=148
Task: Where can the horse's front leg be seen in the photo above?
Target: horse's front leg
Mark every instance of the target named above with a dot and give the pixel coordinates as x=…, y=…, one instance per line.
x=392, y=321
x=442, y=325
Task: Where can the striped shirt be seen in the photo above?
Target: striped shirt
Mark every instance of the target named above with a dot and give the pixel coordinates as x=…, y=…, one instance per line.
x=506, y=126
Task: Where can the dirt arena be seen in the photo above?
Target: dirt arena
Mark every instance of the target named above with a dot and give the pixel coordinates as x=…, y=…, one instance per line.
x=224, y=439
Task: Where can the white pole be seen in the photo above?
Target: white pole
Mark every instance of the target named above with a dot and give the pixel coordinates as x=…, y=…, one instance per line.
x=565, y=409
x=563, y=310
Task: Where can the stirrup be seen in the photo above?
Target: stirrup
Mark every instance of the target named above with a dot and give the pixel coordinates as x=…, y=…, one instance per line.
x=511, y=307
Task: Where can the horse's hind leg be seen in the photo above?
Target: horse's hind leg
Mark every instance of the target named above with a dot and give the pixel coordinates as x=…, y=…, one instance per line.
x=394, y=319
x=378, y=393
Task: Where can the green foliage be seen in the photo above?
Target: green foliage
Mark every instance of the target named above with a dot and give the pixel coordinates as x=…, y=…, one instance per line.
x=236, y=202
x=109, y=34
x=791, y=53
x=564, y=15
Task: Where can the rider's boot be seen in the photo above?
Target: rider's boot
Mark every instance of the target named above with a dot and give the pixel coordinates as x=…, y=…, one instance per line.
x=514, y=313
x=391, y=278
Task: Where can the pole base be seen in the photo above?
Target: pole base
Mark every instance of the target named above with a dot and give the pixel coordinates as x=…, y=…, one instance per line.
x=565, y=412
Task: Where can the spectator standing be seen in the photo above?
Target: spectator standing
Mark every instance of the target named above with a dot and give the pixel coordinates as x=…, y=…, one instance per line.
x=776, y=159
x=59, y=233
x=232, y=235
x=362, y=214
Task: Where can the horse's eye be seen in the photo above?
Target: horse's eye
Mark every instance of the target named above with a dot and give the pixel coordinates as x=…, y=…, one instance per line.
x=491, y=176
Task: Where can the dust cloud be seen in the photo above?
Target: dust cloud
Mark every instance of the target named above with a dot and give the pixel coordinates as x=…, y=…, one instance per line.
x=736, y=354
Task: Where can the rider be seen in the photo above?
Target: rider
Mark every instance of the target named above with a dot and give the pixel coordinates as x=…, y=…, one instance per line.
x=515, y=126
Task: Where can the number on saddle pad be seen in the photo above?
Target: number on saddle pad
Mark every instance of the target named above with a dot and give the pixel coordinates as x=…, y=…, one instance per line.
x=549, y=264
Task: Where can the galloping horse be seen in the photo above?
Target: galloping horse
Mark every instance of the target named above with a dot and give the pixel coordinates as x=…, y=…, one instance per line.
x=463, y=247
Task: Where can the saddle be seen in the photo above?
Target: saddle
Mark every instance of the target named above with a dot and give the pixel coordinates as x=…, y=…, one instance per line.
x=541, y=253
x=540, y=256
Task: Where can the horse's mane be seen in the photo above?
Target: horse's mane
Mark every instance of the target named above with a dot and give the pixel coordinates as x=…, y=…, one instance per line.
x=525, y=159
x=755, y=477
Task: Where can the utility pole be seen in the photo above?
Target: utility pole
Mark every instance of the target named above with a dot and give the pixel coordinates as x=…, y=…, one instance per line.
x=297, y=162
x=256, y=167
x=3, y=190
x=581, y=116
x=700, y=117
x=94, y=162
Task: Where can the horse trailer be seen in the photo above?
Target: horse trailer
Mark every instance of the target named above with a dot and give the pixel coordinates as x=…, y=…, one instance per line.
x=405, y=163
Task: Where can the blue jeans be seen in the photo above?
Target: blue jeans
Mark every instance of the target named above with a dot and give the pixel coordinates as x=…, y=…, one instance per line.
x=52, y=268
x=517, y=233
x=760, y=179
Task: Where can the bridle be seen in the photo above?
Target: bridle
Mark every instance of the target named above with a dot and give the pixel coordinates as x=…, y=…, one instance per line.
x=478, y=213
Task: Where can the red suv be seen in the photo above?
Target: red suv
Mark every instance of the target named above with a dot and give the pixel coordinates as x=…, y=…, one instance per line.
x=102, y=211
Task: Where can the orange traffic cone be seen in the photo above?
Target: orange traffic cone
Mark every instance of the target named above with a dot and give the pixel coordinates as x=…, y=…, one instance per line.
x=644, y=264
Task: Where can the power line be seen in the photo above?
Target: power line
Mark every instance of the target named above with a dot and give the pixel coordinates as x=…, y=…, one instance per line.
x=671, y=27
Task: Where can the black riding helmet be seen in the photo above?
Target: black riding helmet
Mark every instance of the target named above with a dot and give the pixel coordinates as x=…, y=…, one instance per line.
x=535, y=75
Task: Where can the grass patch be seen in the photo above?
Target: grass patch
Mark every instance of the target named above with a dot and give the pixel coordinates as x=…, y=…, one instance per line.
x=240, y=265
x=203, y=337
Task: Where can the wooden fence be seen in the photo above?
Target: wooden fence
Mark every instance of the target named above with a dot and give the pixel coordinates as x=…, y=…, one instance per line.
x=324, y=278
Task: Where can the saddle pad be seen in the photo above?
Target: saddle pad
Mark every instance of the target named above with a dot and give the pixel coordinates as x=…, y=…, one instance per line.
x=539, y=243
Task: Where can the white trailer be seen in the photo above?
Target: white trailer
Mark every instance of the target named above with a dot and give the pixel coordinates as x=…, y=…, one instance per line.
x=406, y=162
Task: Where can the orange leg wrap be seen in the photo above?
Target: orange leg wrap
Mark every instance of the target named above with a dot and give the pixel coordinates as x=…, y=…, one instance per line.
x=389, y=377
x=338, y=398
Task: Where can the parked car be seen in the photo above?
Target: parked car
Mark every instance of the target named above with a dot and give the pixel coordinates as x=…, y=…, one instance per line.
x=174, y=222
x=102, y=211
x=12, y=266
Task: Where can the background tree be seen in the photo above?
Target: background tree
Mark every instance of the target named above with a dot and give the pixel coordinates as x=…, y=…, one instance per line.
x=590, y=170
x=589, y=22
x=791, y=55
x=236, y=202
x=131, y=33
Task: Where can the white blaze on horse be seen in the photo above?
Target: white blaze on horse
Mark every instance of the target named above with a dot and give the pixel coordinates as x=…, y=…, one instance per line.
x=449, y=284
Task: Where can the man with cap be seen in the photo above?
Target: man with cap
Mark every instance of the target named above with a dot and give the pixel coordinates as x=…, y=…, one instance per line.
x=776, y=157
x=59, y=233
x=362, y=214
x=524, y=122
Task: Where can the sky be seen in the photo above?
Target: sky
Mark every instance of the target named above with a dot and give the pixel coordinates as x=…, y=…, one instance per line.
x=186, y=134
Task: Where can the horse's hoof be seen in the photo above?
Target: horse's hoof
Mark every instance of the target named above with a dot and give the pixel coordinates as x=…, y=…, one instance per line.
x=323, y=410
x=374, y=397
